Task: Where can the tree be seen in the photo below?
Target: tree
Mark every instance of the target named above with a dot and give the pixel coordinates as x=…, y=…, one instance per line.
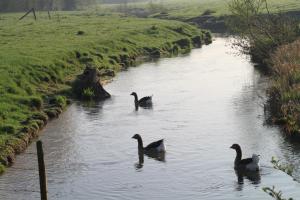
x=259, y=31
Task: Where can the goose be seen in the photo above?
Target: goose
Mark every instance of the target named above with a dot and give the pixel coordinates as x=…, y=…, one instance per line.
x=157, y=146
x=250, y=164
x=143, y=102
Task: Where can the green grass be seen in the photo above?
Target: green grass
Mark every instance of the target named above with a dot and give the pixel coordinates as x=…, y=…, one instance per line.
x=182, y=9
x=42, y=57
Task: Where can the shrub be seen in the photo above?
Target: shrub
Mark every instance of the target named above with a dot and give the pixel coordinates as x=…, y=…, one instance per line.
x=259, y=31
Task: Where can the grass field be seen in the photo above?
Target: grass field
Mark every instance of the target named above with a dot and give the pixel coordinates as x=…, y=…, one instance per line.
x=182, y=9
x=41, y=57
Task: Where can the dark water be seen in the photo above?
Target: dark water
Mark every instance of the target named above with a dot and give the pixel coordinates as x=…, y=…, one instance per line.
x=203, y=103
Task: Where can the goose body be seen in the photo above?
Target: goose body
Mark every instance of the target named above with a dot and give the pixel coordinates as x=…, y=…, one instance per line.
x=157, y=146
x=250, y=164
x=143, y=102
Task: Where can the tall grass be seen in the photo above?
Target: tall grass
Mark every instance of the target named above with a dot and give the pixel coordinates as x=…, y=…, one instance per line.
x=285, y=92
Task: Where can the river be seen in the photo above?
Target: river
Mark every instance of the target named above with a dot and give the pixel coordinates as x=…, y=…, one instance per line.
x=203, y=103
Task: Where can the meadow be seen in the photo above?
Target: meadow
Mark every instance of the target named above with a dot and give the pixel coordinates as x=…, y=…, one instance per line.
x=184, y=10
x=40, y=59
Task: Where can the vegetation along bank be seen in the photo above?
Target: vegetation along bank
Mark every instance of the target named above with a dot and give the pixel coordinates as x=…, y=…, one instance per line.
x=41, y=59
x=272, y=40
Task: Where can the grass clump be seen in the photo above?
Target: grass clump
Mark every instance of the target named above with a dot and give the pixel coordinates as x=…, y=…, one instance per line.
x=273, y=193
x=288, y=169
x=2, y=169
x=88, y=94
x=60, y=101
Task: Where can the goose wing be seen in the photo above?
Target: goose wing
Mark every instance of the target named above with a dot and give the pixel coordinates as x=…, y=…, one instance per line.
x=246, y=161
x=147, y=99
x=154, y=145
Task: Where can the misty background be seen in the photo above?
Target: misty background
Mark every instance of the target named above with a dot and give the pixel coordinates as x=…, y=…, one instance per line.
x=25, y=5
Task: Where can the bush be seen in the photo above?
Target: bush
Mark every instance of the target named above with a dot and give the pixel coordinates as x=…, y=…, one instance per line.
x=260, y=32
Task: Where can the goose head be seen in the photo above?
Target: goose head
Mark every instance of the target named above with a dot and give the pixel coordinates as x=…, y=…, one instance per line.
x=235, y=147
x=133, y=94
x=136, y=136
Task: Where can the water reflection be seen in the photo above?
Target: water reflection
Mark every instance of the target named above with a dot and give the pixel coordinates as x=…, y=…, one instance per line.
x=148, y=107
x=92, y=108
x=159, y=156
x=253, y=176
x=140, y=164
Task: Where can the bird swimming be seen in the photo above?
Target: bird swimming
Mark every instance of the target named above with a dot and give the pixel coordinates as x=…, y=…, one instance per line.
x=250, y=164
x=157, y=146
x=143, y=102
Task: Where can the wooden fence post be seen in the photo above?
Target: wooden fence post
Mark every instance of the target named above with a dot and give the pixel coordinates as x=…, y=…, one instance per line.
x=49, y=15
x=31, y=10
x=42, y=170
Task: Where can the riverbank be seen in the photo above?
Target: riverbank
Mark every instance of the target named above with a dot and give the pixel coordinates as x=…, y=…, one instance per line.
x=284, y=93
x=40, y=60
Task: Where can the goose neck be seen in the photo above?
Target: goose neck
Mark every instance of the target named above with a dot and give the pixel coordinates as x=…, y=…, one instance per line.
x=238, y=157
x=135, y=98
x=140, y=145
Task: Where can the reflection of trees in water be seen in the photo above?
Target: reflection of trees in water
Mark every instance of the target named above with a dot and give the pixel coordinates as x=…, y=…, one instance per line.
x=91, y=108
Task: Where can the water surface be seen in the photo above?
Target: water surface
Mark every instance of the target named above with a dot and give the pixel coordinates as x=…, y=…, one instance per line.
x=203, y=103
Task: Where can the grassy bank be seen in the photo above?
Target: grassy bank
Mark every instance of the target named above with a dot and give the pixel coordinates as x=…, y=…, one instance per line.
x=40, y=59
x=284, y=94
